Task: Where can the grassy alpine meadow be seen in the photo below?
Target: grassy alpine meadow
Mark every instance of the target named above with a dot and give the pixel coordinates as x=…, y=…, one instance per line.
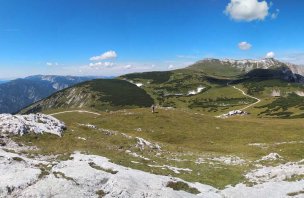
x=193, y=146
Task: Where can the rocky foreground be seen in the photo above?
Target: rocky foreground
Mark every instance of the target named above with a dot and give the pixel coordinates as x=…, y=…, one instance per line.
x=95, y=176
x=83, y=175
x=32, y=123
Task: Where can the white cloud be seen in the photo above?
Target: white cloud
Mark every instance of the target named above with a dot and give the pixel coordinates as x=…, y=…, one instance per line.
x=128, y=67
x=187, y=56
x=107, y=55
x=270, y=55
x=101, y=64
x=247, y=10
x=244, y=45
x=52, y=64
x=170, y=66
x=294, y=57
x=275, y=14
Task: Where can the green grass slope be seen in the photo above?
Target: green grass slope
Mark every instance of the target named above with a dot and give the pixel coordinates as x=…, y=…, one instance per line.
x=187, y=140
x=215, y=67
x=173, y=91
x=170, y=89
x=101, y=94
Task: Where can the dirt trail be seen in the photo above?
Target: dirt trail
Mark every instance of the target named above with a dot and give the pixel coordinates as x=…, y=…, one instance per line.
x=77, y=111
x=243, y=92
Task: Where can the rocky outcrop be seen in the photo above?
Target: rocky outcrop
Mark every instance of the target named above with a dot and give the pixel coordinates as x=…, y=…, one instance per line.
x=32, y=123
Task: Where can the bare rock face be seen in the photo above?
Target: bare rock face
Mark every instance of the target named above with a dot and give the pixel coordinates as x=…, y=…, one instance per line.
x=32, y=123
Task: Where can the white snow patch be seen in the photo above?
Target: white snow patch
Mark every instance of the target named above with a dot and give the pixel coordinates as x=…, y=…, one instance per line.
x=32, y=123
x=197, y=91
x=300, y=93
x=139, y=84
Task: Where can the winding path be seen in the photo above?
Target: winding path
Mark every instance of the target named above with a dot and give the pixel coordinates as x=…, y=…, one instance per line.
x=243, y=92
x=77, y=111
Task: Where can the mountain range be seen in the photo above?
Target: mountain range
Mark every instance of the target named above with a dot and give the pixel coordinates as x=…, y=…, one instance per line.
x=202, y=86
x=19, y=93
x=262, y=79
x=219, y=66
x=3, y=81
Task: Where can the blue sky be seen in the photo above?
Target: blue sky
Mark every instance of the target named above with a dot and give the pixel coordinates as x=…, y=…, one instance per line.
x=61, y=36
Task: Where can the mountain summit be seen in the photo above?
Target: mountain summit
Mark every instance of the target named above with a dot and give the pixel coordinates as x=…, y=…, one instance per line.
x=233, y=67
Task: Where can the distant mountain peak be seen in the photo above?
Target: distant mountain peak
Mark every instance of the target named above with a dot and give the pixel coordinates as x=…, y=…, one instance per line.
x=234, y=67
x=245, y=64
x=19, y=93
x=241, y=61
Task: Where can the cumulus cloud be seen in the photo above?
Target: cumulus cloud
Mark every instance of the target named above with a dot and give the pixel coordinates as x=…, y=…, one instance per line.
x=107, y=55
x=247, y=10
x=270, y=55
x=244, y=45
x=101, y=64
